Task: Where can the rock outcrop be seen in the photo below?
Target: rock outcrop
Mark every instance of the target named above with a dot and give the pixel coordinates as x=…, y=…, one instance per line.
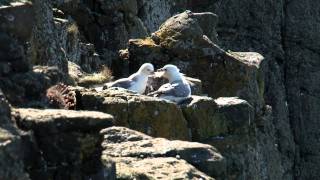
x=138, y=155
x=45, y=46
x=230, y=124
x=284, y=139
x=285, y=33
x=152, y=116
x=69, y=142
x=183, y=40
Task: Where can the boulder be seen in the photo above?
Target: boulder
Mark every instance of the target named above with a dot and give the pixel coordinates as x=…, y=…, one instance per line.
x=232, y=126
x=186, y=30
x=150, y=115
x=219, y=118
x=131, y=149
x=183, y=40
x=69, y=141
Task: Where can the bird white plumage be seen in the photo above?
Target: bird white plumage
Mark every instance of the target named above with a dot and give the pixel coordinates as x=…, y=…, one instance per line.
x=178, y=88
x=137, y=82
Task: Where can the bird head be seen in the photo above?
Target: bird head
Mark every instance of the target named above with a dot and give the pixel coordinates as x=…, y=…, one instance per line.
x=147, y=69
x=169, y=71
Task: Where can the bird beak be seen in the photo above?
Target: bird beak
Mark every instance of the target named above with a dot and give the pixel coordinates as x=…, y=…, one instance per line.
x=160, y=70
x=152, y=73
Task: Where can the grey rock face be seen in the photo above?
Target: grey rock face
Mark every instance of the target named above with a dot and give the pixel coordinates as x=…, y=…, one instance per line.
x=125, y=145
x=301, y=46
x=45, y=46
x=11, y=156
x=153, y=13
x=69, y=141
x=286, y=34
x=20, y=88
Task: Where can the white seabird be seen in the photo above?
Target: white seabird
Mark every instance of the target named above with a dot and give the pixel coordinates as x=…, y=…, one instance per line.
x=177, y=89
x=137, y=82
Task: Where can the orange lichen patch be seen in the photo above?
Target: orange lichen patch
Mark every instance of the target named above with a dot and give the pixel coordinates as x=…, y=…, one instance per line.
x=143, y=42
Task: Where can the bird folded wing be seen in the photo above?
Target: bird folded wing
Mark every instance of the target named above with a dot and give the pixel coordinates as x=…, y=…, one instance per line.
x=123, y=83
x=164, y=89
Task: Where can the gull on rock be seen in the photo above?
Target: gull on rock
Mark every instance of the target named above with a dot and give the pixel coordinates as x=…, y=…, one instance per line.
x=137, y=82
x=177, y=90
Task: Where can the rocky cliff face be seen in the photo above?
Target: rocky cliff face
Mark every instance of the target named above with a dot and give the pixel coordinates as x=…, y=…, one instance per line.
x=285, y=33
x=271, y=132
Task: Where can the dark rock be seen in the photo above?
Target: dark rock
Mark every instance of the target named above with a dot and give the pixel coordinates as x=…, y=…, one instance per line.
x=24, y=88
x=106, y=24
x=11, y=157
x=69, y=140
x=45, y=40
x=12, y=56
x=17, y=19
x=122, y=144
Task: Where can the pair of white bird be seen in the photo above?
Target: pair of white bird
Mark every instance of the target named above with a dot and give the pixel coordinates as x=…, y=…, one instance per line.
x=177, y=87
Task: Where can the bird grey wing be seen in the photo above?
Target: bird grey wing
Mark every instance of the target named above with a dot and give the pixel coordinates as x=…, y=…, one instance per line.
x=167, y=89
x=182, y=90
x=123, y=83
x=178, y=90
x=162, y=89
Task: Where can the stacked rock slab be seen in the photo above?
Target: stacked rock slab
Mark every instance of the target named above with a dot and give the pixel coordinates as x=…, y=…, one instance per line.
x=146, y=114
x=138, y=155
x=69, y=142
x=226, y=123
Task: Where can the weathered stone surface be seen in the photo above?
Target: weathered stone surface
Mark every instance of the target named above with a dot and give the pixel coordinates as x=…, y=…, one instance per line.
x=123, y=144
x=45, y=40
x=53, y=121
x=284, y=32
x=108, y=27
x=160, y=168
x=69, y=141
x=176, y=32
x=154, y=12
x=150, y=115
x=11, y=156
x=24, y=88
x=18, y=19
x=223, y=74
x=12, y=56
x=221, y=117
x=233, y=127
